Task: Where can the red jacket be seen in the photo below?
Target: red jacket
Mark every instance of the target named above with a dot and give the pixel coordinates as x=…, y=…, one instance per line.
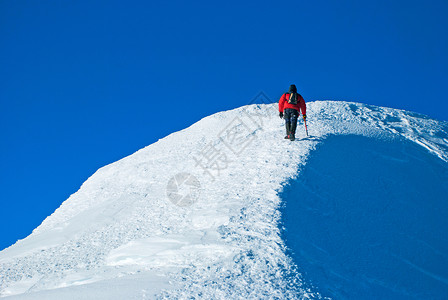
x=300, y=106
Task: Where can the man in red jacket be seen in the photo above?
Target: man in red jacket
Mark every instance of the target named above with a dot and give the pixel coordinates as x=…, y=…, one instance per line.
x=290, y=105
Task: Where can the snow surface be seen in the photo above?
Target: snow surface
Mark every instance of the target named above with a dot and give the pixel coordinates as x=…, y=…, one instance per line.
x=196, y=214
x=368, y=219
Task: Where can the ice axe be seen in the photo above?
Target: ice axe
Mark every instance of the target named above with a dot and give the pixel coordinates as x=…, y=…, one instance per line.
x=306, y=127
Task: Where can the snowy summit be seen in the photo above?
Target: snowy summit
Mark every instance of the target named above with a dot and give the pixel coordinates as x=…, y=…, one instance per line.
x=198, y=214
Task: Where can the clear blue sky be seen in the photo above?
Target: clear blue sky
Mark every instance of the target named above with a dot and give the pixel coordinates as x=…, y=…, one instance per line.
x=85, y=83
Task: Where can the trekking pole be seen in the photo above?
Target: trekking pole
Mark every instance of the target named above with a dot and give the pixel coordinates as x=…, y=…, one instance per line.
x=306, y=127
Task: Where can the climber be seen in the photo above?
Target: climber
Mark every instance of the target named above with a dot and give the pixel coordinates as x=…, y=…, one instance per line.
x=290, y=105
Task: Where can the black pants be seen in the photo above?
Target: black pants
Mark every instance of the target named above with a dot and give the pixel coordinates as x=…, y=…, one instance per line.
x=290, y=115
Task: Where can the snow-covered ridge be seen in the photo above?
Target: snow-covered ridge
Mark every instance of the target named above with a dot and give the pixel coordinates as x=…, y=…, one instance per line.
x=129, y=221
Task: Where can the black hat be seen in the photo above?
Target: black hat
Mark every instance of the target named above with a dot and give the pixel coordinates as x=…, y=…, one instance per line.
x=292, y=88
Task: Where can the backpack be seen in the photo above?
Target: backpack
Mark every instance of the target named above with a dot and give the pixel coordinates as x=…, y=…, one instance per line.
x=293, y=98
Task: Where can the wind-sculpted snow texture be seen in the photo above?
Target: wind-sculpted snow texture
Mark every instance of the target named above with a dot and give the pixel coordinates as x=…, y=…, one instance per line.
x=141, y=228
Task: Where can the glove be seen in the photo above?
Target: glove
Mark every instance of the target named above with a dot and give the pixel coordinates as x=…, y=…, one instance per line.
x=280, y=115
x=304, y=117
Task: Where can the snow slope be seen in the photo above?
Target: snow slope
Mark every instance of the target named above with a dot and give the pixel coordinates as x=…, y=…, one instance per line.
x=195, y=214
x=368, y=219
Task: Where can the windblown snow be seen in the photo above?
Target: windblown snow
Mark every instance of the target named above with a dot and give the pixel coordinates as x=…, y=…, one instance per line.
x=196, y=214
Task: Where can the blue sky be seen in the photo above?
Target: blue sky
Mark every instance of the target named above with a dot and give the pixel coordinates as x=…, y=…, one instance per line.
x=85, y=83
